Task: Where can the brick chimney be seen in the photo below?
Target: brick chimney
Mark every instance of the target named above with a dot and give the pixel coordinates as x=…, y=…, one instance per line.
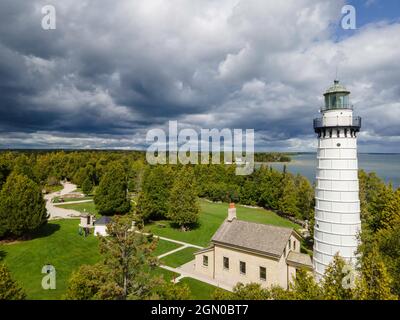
x=231, y=212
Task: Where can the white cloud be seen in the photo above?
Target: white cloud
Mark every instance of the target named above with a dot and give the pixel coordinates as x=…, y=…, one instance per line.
x=132, y=65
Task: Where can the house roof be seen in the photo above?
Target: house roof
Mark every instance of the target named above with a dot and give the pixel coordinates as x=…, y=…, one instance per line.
x=103, y=221
x=263, y=238
x=299, y=259
x=204, y=250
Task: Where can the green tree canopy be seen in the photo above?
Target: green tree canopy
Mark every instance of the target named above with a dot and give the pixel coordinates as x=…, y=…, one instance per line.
x=375, y=282
x=9, y=289
x=183, y=207
x=87, y=186
x=153, y=199
x=335, y=284
x=22, y=207
x=111, y=195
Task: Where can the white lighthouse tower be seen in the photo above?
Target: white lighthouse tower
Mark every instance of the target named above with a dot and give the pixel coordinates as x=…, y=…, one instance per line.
x=337, y=204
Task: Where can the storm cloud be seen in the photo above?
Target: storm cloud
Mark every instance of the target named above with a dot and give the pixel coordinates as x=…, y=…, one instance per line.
x=113, y=70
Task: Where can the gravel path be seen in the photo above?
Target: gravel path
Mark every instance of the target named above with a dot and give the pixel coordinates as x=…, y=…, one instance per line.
x=60, y=213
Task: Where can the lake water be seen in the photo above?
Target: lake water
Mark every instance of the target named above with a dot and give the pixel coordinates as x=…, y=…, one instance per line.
x=386, y=166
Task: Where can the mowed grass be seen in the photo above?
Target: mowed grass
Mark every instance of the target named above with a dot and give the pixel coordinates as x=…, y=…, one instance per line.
x=179, y=258
x=88, y=207
x=164, y=246
x=199, y=290
x=211, y=217
x=57, y=199
x=57, y=243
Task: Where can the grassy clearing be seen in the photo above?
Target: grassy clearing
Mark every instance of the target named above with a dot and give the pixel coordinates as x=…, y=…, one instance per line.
x=211, y=217
x=56, y=243
x=59, y=244
x=89, y=207
x=57, y=199
x=179, y=258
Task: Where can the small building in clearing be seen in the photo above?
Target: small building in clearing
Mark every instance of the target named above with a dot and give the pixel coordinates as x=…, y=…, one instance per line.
x=100, y=226
x=87, y=220
x=242, y=251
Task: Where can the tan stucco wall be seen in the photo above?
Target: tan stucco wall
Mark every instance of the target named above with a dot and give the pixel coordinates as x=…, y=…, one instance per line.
x=291, y=273
x=208, y=271
x=276, y=270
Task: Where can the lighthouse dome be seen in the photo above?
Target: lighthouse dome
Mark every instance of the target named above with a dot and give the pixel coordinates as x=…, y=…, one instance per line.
x=336, y=87
x=337, y=97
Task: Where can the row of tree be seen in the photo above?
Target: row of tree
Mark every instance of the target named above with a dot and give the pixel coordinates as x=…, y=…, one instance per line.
x=169, y=193
x=266, y=187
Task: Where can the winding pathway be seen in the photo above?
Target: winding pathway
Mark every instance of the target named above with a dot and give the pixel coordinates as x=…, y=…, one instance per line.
x=57, y=212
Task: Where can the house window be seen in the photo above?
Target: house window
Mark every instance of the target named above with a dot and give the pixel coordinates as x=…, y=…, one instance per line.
x=226, y=263
x=294, y=245
x=242, y=267
x=205, y=261
x=290, y=244
x=263, y=274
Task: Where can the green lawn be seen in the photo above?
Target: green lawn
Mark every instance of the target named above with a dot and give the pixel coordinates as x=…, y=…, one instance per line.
x=164, y=246
x=211, y=217
x=57, y=199
x=199, y=290
x=58, y=244
x=81, y=207
x=179, y=258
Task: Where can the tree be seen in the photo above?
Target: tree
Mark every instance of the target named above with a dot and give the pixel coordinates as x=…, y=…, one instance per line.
x=388, y=241
x=270, y=188
x=87, y=186
x=80, y=176
x=128, y=258
x=377, y=199
x=390, y=215
x=9, y=289
x=23, y=165
x=305, y=197
x=111, y=195
x=288, y=201
x=153, y=199
x=375, y=282
x=183, y=205
x=4, y=171
x=22, y=207
x=304, y=286
x=334, y=279
x=86, y=283
x=250, y=291
x=171, y=291
x=124, y=272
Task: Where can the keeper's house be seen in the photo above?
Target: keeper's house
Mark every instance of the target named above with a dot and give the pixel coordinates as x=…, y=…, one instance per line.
x=247, y=252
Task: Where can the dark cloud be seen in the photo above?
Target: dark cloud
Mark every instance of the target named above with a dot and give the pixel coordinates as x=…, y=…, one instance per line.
x=111, y=71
